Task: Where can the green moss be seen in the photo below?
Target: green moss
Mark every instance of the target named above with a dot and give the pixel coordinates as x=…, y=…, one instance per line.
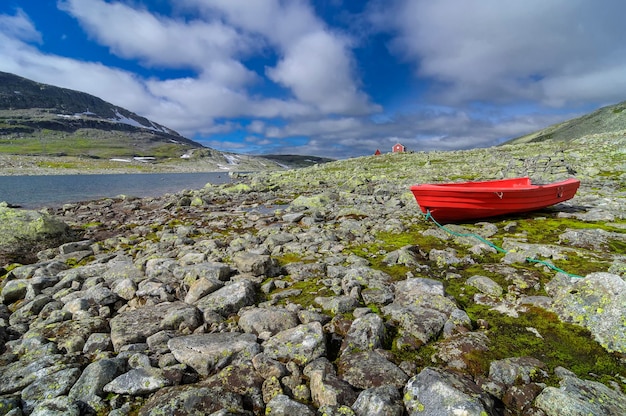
x=310, y=289
x=561, y=344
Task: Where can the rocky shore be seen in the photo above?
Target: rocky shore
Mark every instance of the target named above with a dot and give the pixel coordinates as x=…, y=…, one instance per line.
x=323, y=291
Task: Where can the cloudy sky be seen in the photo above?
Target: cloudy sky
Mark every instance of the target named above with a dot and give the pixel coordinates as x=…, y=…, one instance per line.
x=336, y=78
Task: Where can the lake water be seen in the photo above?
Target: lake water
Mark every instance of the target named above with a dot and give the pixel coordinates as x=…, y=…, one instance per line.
x=34, y=192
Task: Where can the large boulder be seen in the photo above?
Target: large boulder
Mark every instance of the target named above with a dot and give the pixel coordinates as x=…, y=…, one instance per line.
x=23, y=233
x=596, y=303
x=435, y=392
x=575, y=396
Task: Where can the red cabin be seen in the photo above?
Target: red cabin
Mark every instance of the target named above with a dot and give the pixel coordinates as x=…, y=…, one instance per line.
x=398, y=148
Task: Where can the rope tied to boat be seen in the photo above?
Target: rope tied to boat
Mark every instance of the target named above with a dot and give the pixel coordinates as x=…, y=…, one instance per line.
x=429, y=216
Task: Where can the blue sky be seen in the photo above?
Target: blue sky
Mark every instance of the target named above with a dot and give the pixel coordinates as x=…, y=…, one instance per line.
x=336, y=78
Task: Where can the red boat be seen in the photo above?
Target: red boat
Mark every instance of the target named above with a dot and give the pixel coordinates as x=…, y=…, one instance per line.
x=453, y=202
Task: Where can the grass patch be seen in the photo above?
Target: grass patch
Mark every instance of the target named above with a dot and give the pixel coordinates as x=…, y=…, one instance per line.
x=561, y=344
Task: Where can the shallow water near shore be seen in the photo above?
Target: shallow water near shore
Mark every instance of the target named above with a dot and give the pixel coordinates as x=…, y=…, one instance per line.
x=34, y=192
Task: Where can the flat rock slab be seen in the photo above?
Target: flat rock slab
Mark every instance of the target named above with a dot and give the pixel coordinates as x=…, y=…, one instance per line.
x=208, y=352
x=301, y=344
x=137, y=325
x=369, y=369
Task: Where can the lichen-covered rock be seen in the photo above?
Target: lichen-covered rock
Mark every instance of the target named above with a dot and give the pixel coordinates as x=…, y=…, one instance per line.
x=138, y=381
x=580, y=397
x=18, y=375
x=229, y=299
x=379, y=401
x=369, y=369
x=517, y=370
x=241, y=378
x=485, y=285
x=326, y=388
x=454, y=351
x=301, y=344
x=267, y=320
x=416, y=324
x=192, y=400
x=282, y=405
x=23, y=233
x=57, y=406
x=136, y=325
x=89, y=388
x=50, y=386
x=255, y=264
x=366, y=333
x=435, y=392
x=595, y=302
x=207, y=352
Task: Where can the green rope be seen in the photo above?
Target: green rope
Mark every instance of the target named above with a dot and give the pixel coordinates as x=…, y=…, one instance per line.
x=499, y=249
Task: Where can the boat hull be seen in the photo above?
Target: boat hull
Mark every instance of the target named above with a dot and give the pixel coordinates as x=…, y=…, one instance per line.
x=454, y=202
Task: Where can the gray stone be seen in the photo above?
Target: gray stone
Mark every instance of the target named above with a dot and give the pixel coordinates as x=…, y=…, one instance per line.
x=124, y=288
x=90, y=385
x=138, y=381
x=255, y=264
x=368, y=369
x=208, y=270
x=202, y=287
x=14, y=290
x=229, y=299
x=207, y=352
x=436, y=392
x=301, y=344
x=192, y=400
x=596, y=303
x=517, y=369
x=580, y=397
x=58, y=406
x=72, y=247
x=408, y=290
x=379, y=401
x=49, y=386
x=416, y=322
x=137, y=325
x=365, y=333
x=97, y=343
x=267, y=320
x=337, y=304
x=485, y=285
x=282, y=405
x=326, y=388
x=17, y=375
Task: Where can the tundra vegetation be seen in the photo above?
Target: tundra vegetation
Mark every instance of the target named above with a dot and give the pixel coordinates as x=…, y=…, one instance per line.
x=325, y=290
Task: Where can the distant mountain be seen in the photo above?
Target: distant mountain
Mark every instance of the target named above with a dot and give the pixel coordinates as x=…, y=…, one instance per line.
x=297, y=161
x=41, y=119
x=610, y=119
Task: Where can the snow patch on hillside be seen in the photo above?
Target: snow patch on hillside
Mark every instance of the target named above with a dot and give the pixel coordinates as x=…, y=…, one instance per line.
x=120, y=118
x=232, y=159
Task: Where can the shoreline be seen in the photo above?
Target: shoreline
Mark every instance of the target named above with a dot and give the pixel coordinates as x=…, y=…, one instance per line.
x=20, y=165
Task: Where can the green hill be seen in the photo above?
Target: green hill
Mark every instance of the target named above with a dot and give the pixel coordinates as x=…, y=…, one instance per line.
x=607, y=120
x=40, y=119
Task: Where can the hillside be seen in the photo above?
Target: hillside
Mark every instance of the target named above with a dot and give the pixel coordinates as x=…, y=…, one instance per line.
x=609, y=119
x=40, y=119
x=45, y=129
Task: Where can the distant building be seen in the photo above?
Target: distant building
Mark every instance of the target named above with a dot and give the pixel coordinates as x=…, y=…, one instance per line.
x=377, y=152
x=398, y=148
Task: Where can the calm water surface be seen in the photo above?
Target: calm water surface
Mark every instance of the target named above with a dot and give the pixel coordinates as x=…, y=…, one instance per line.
x=52, y=190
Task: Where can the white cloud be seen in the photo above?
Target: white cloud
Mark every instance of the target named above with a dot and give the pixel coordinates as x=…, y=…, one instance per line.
x=19, y=27
x=315, y=63
x=317, y=69
x=505, y=51
x=130, y=33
